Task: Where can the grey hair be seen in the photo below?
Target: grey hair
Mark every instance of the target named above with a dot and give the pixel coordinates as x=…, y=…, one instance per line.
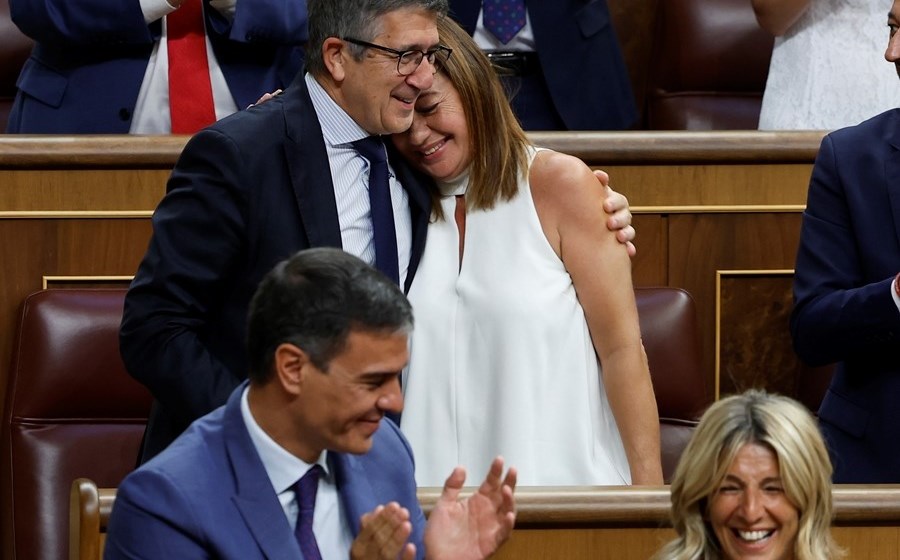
x=359, y=19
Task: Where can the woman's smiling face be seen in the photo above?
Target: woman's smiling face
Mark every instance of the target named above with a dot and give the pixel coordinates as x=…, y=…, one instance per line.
x=750, y=513
x=438, y=142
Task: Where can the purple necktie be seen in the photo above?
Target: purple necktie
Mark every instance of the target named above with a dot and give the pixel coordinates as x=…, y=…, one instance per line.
x=383, y=229
x=305, y=490
x=504, y=18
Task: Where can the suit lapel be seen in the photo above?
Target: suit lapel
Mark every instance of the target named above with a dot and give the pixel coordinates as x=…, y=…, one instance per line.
x=892, y=169
x=417, y=187
x=310, y=173
x=354, y=488
x=254, y=497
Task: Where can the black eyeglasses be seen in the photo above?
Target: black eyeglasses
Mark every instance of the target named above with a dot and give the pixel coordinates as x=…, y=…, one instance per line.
x=409, y=61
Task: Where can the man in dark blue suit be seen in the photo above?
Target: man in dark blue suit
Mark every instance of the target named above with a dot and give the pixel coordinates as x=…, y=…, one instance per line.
x=264, y=183
x=327, y=338
x=847, y=290
x=90, y=60
x=564, y=68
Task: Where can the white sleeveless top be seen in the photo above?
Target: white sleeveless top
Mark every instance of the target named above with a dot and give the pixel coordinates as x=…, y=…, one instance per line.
x=828, y=71
x=501, y=358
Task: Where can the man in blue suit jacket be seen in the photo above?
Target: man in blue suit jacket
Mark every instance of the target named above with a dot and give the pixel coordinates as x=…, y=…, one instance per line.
x=90, y=57
x=847, y=299
x=327, y=338
x=846, y=305
x=580, y=66
x=262, y=184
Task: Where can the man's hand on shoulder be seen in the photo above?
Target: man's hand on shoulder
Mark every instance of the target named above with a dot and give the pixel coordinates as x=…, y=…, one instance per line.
x=618, y=214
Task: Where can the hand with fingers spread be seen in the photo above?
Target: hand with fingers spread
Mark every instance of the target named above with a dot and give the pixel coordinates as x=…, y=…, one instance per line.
x=383, y=534
x=475, y=527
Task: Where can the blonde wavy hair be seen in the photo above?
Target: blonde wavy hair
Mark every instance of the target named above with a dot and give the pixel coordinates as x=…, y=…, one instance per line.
x=789, y=430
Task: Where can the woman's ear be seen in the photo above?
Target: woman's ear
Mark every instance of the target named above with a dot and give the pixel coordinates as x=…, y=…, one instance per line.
x=335, y=55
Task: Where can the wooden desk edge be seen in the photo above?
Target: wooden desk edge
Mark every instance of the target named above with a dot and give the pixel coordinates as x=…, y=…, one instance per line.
x=642, y=506
x=596, y=148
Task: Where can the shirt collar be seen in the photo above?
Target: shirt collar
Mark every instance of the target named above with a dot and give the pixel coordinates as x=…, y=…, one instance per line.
x=338, y=128
x=283, y=468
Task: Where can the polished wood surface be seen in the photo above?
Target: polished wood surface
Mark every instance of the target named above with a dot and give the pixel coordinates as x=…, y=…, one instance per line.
x=715, y=212
x=618, y=522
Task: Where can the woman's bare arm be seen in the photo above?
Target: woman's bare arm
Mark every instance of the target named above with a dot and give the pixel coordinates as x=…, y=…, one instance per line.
x=569, y=201
x=777, y=16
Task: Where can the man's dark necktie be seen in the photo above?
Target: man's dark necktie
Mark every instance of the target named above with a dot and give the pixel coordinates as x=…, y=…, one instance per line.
x=504, y=18
x=384, y=231
x=305, y=490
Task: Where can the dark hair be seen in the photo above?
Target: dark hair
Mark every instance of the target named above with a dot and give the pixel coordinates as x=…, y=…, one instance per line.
x=353, y=18
x=313, y=300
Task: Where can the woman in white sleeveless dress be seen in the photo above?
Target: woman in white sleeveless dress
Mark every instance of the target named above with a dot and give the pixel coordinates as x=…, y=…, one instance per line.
x=827, y=69
x=514, y=305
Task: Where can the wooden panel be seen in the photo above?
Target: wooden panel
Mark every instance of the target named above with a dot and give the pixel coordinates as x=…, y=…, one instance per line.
x=703, y=203
x=702, y=244
x=82, y=251
x=751, y=302
x=650, y=265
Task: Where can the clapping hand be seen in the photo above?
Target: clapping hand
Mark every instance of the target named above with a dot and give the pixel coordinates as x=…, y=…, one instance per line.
x=473, y=528
x=383, y=534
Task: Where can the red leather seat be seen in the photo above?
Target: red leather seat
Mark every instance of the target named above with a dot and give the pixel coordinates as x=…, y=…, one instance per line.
x=669, y=331
x=709, y=66
x=71, y=411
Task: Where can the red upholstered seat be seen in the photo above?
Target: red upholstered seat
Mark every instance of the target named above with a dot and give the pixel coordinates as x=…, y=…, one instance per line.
x=71, y=411
x=709, y=65
x=670, y=335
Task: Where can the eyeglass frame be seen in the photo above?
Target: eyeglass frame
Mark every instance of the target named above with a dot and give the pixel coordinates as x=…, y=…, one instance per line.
x=430, y=54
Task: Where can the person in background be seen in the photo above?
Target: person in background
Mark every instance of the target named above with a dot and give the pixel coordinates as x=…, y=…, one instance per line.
x=301, y=463
x=560, y=61
x=521, y=295
x=824, y=73
x=104, y=67
x=847, y=289
x=753, y=482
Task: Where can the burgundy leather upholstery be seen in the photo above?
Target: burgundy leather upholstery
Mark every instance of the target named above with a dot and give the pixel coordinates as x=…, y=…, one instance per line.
x=71, y=411
x=14, y=50
x=709, y=66
x=670, y=335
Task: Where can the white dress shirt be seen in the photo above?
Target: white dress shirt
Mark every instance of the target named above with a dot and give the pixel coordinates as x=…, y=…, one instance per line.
x=350, y=175
x=330, y=526
x=151, y=112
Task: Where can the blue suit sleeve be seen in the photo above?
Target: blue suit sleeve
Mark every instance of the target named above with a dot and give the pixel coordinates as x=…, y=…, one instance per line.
x=151, y=519
x=82, y=22
x=840, y=311
x=276, y=22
